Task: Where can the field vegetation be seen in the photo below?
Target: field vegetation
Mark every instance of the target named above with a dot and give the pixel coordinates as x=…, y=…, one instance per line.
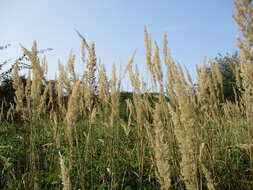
x=82, y=132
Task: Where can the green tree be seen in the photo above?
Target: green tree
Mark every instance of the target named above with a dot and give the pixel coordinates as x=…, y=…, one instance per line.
x=227, y=64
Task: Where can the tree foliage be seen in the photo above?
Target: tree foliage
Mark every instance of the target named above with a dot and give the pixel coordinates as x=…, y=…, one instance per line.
x=226, y=64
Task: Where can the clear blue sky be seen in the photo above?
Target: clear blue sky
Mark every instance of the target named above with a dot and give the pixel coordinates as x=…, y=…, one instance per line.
x=195, y=28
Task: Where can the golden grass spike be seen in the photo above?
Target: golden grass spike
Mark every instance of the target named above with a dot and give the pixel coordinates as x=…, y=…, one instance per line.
x=83, y=39
x=130, y=63
x=156, y=63
x=91, y=65
x=65, y=177
x=148, y=48
x=70, y=66
x=188, y=76
x=202, y=78
x=165, y=48
x=130, y=108
x=19, y=89
x=207, y=174
x=43, y=98
x=220, y=79
x=184, y=121
x=161, y=150
x=244, y=18
x=73, y=107
x=103, y=86
x=44, y=65
x=213, y=74
x=28, y=90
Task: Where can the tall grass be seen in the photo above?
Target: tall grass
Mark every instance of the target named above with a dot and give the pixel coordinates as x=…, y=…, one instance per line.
x=78, y=133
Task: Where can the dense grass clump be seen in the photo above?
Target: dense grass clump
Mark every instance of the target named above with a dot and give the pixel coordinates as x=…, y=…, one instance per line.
x=82, y=132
